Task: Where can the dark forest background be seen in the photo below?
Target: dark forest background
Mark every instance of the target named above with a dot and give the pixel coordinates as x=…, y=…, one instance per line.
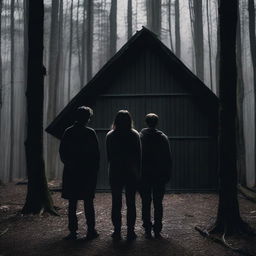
x=81, y=36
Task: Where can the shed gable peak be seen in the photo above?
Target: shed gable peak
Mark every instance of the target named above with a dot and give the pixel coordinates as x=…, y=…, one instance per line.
x=142, y=41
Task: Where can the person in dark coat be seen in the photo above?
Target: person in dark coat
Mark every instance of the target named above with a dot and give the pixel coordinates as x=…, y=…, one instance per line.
x=124, y=157
x=156, y=168
x=79, y=151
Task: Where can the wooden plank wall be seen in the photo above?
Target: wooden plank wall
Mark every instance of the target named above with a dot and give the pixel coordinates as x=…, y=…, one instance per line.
x=147, y=85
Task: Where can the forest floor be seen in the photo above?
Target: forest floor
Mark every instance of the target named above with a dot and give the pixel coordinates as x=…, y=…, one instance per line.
x=42, y=235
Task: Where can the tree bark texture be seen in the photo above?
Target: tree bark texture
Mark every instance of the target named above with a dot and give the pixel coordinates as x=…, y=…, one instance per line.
x=38, y=196
x=53, y=58
x=154, y=16
x=70, y=49
x=1, y=79
x=170, y=22
x=228, y=216
x=59, y=82
x=252, y=36
x=192, y=20
x=78, y=42
x=241, y=165
x=89, y=44
x=83, y=47
x=198, y=38
x=53, y=76
x=129, y=19
x=209, y=41
x=217, y=59
x=11, y=168
x=177, y=28
x=1, y=76
x=25, y=17
x=104, y=34
x=113, y=28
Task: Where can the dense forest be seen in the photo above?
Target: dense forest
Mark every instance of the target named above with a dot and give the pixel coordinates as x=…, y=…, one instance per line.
x=81, y=36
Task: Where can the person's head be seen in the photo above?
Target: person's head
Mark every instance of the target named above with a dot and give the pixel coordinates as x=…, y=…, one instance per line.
x=83, y=114
x=123, y=121
x=151, y=120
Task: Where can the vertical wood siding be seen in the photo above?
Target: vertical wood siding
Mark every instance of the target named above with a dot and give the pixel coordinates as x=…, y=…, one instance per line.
x=146, y=84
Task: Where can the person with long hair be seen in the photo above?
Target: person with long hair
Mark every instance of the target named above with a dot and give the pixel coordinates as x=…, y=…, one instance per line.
x=124, y=157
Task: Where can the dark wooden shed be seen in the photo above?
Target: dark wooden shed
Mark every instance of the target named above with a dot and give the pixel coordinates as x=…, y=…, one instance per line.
x=145, y=76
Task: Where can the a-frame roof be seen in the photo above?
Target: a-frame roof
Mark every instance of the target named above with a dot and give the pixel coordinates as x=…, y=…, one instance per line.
x=97, y=84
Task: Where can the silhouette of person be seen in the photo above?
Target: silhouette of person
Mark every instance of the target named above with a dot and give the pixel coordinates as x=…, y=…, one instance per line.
x=79, y=151
x=124, y=157
x=156, y=167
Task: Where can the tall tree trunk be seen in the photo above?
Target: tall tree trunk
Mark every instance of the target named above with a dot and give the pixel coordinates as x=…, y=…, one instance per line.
x=59, y=63
x=177, y=28
x=100, y=13
x=78, y=42
x=198, y=38
x=129, y=19
x=209, y=41
x=12, y=93
x=53, y=75
x=113, y=28
x=89, y=43
x=107, y=33
x=251, y=10
x=25, y=35
x=154, y=16
x=228, y=216
x=38, y=196
x=60, y=89
x=22, y=132
x=136, y=13
x=170, y=22
x=240, y=116
x=1, y=78
x=53, y=59
x=192, y=21
x=70, y=49
x=217, y=59
x=104, y=41
x=83, y=47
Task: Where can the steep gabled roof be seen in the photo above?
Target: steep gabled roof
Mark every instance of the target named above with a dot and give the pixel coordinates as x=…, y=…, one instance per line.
x=97, y=84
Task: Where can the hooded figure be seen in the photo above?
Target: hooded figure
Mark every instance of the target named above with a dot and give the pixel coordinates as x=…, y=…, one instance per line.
x=79, y=151
x=156, y=168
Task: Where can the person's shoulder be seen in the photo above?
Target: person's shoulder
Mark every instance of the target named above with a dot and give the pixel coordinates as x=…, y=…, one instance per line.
x=135, y=132
x=110, y=133
x=68, y=133
x=69, y=130
x=90, y=129
x=162, y=135
x=90, y=132
x=143, y=131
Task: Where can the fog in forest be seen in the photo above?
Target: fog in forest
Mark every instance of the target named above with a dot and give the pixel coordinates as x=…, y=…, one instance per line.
x=81, y=36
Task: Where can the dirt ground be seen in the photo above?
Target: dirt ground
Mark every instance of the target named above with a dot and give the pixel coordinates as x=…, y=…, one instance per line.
x=42, y=235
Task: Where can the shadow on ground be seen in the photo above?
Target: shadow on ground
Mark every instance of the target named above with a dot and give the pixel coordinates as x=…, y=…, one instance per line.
x=107, y=247
x=42, y=235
